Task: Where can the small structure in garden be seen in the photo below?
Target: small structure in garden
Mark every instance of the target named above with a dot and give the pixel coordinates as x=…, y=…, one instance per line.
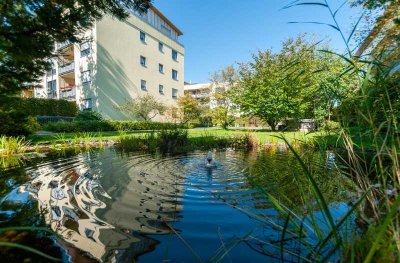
x=307, y=125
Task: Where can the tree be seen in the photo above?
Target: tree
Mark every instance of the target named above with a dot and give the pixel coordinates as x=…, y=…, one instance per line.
x=29, y=29
x=222, y=107
x=189, y=109
x=145, y=108
x=275, y=87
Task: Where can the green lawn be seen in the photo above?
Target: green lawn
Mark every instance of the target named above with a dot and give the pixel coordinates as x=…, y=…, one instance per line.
x=261, y=136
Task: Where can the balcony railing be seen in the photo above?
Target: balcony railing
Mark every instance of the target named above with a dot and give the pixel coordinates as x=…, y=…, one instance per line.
x=64, y=44
x=68, y=94
x=200, y=95
x=66, y=68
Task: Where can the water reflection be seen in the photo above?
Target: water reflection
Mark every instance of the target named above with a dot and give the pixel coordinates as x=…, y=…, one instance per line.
x=71, y=193
x=115, y=208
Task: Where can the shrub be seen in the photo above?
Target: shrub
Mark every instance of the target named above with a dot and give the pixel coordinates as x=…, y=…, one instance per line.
x=171, y=140
x=14, y=123
x=39, y=107
x=330, y=125
x=107, y=125
x=43, y=120
x=88, y=116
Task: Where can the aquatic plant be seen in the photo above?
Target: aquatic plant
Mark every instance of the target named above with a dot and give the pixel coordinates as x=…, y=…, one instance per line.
x=12, y=145
x=6, y=243
x=371, y=159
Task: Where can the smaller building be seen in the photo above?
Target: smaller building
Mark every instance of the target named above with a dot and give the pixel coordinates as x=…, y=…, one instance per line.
x=199, y=91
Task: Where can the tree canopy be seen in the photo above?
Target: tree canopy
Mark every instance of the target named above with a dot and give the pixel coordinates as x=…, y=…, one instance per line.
x=297, y=82
x=29, y=29
x=144, y=108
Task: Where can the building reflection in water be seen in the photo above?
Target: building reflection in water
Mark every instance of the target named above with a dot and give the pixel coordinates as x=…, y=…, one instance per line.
x=76, y=205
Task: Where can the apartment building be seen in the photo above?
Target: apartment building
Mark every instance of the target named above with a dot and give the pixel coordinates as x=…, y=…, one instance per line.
x=205, y=93
x=199, y=91
x=118, y=61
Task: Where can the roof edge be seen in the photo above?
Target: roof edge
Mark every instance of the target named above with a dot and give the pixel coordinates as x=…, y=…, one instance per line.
x=166, y=20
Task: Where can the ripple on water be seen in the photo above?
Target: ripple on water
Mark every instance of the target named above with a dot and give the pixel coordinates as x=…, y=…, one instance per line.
x=112, y=206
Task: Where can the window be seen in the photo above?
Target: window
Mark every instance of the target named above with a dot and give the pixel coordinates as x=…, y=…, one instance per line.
x=166, y=30
x=143, y=61
x=175, y=55
x=87, y=104
x=161, y=68
x=52, y=89
x=174, y=93
x=161, y=47
x=174, y=74
x=85, y=49
x=85, y=76
x=143, y=84
x=161, y=89
x=142, y=37
x=50, y=72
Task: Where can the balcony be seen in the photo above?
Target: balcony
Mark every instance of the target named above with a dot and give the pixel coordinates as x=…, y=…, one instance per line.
x=66, y=68
x=63, y=45
x=68, y=93
x=200, y=95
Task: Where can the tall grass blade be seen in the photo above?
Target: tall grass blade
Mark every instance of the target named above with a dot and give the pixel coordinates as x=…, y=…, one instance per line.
x=29, y=249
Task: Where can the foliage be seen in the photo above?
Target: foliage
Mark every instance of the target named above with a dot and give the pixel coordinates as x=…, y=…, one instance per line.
x=222, y=107
x=39, y=107
x=298, y=82
x=189, y=110
x=373, y=164
x=177, y=141
x=145, y=107
x=46, y=119
x=171, y=140
x=29, y=29
x=221, y=116
x=278, y=86
x=108, y=125
x=12, y=145
x=88, y=116
x=15, y=123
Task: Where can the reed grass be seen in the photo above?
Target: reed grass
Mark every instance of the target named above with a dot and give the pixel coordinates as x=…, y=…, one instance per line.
x=12, y=145
x=372, y=162
x=178, y=141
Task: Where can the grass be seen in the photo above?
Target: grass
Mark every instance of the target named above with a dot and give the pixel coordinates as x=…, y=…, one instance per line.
x=262, y=137
x=12, y=145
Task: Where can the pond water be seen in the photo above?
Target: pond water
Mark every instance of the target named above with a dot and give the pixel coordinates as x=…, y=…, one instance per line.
x=109, y=207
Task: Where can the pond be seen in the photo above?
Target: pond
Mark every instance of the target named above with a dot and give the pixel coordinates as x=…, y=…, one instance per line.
x=111, y=207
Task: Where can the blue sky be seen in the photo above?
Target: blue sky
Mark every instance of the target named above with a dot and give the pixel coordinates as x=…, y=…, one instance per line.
x=223, y=32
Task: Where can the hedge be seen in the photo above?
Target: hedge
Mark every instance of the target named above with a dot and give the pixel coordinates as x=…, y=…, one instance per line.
x=108, y=125
x=41, y=107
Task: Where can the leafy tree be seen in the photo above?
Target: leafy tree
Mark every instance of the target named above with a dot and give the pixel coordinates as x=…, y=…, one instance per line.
x=145, y=108
x=278, y=86
x=189, y=109
x=29, y=29
x=333, y=86
x=223, y=108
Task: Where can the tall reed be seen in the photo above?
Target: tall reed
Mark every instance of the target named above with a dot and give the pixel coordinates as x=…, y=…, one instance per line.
x=371, y=159
x=12, y=145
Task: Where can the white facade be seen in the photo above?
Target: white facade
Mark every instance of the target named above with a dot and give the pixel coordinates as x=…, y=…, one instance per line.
x=118, y=61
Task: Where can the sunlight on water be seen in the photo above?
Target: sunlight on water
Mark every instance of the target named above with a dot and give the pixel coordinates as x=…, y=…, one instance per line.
x=153, y=208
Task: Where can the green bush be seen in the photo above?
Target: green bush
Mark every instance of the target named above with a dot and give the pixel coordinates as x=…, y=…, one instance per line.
x=15, y=123
x=107, y=125
x=171, y=140
x=41, y=107
x=330, y=125
x=88, y=116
